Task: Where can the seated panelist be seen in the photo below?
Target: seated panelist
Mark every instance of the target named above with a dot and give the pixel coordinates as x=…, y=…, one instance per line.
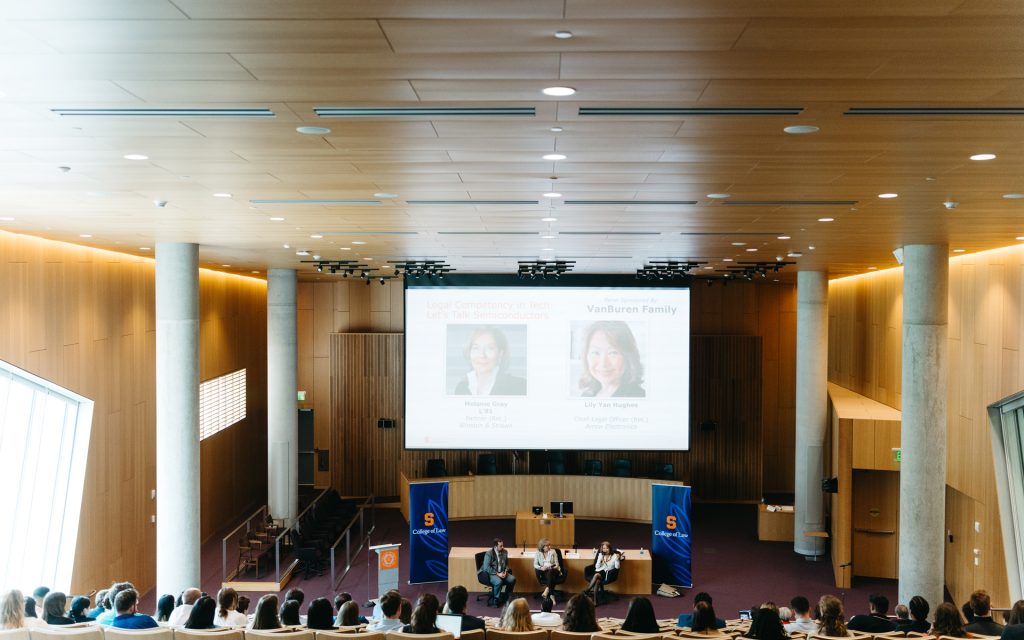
x=545, y=563
x=606, y=560
x=496, y=567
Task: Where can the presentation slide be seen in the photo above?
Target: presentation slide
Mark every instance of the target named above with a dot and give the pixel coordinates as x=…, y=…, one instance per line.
x=523, y=367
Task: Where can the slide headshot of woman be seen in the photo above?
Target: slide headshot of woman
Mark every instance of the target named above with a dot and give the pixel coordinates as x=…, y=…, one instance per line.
x=611, y=362
x=487, y=354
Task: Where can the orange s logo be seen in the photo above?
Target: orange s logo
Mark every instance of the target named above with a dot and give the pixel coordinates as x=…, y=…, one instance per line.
x=670, y=522
x=428, y=519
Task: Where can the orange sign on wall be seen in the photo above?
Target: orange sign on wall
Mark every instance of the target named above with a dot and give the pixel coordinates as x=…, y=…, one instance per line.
x=388, y=559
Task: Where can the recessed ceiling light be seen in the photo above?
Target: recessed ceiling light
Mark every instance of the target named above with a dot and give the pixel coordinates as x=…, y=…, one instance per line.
x=811, y=247
x=222, y=195
x=346, y=248
x=385, y=195
x=143, y=248
x=313, y=131
x=548, y=249
x=983, y=156
x=6, y=219
x=872, y=268
x=558, y=91
x=358, y=242
x=708, y=268
x=225, y=265
x=548, y=237
x=1013, y=196
x=135, y=156
x=316, y=257
x=563, y=35
x=826, y=219
x=719, y=196
x=751, y=249
x=302, y=252
x=554, y=156
x=552, y=194
x=85, y=235
x=277, y=219
x=286, y=246
x=1019, y=238
x=783, y=238
x=726, y=259
x=739, y=244
x=794, y=254
x=557, y=129
x=549, y=219
x=801, y=128
x=959, y=250
x=315, y=236
x=888, y=195
x=254, y=272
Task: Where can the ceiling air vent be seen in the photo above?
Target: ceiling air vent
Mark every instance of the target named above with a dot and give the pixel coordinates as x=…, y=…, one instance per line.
x=690, y=111
x=730, y=233
x=471, y=202
x=168, y=113
x=934, y=111
x=646, y=203
x=430, y=112
x=487, y=233
x=323, y=203
x=609, y=233
x=791, y=203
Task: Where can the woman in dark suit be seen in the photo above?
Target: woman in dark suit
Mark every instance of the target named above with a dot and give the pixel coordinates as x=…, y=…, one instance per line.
x=488, y=356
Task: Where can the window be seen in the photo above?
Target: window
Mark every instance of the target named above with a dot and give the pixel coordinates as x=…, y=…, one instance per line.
x=221, y=403
x=1007, y=419
x=44, y=445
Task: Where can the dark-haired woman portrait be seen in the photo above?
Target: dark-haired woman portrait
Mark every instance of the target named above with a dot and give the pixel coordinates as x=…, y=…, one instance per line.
x=265, y=616
x=202, y=614
x=580, y=615
x=290, y=613
x=424, y=615
x=611, y=362
x=948, y=622
x=164, y=607
x=640, y=617
x=320, y=615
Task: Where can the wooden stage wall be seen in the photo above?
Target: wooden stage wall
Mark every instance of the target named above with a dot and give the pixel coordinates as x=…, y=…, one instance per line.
x=986, y=363
x=739, y=462
x=85, y=319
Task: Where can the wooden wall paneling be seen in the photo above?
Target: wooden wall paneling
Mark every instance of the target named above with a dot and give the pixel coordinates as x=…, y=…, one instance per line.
x=876, y=523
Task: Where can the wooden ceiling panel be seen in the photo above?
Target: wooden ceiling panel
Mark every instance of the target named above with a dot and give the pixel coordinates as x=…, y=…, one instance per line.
x=209, y=36
x=93, y=10
x=520, y=90
x=796, y=92
x=104, y=66
x=331, y=9
x=199, y=93
x=392, y=66
x=659, y=9
x=535, y=127
x=530, y=36
x=697, y=65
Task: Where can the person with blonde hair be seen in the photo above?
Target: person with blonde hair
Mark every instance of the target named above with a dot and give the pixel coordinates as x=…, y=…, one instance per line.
x=547, y=567
x=833, y=621
x=516, y=616
x=12, y=612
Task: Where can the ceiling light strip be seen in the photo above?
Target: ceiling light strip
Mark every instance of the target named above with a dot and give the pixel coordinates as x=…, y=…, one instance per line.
x=690, y=111
x=399, y=112
x=790, y=203
x=934, y=111
x=313, y=202
x=729, y=233
x=168, y=113
x=471, y=202
x=609, y=233
x=486, y=233
x=649, y=203
x=369, y=233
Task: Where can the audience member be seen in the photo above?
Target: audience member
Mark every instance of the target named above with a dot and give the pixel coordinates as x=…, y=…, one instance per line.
x=457, y=598
x=320, y=615
x=79, y=611
x=12, y=612
x=30, y=608
x=785, y=615
x=391, y=605
x=902, y=615
x=344, y=597
x=126, y=609
x=686, y=619
x=39, y=594
x=546, y=618
x=802, y=612
x=968, y=612
x=182, y=611
x=102, y=604
x=227, y=610
x=297, y=595
x=290, y=613
x=767, y=625
x=983, y=624
x=874, y=622
x=832, y=622
x=640, y=617
x=243, y=606
x=948, y=622
x=918, y=622
x=348, y=615
x=377, y=614
x=703, y=620
x=203, y=613
x=405, y=611
x=580, y=615
x=1014, y=623
x=55, y=605
x=516, y=616
x=424, y=616
x=164, y=607
x=265, y=616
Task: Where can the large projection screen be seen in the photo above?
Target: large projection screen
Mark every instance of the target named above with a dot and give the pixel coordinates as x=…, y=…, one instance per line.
x=594, y=363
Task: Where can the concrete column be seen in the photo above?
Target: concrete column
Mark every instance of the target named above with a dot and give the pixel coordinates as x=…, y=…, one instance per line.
x=177, y=416
x=923, y=433
x=282, y=401
x=811, y=408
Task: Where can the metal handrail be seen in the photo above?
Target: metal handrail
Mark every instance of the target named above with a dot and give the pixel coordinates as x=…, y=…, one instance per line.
x=364, y=537
x=224, y=541
x=277, y=540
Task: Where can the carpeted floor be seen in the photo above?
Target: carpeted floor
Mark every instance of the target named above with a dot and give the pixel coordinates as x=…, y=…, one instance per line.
x=728, y=562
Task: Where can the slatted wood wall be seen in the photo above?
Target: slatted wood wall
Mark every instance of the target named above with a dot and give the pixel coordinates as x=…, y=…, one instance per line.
x=85, y=319
x=986, y=330
x=341, y=306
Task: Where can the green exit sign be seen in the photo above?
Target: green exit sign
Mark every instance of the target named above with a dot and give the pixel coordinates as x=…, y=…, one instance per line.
x=897, y=454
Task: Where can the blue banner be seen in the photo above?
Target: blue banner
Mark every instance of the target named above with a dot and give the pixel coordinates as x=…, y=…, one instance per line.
x=671, y=544
x=428, y=532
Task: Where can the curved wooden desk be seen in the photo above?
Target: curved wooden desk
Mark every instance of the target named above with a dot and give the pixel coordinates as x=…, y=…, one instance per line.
x=593, y=497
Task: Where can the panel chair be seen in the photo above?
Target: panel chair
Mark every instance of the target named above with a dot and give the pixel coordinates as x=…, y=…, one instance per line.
x=483, y=578
x=94, y=632
x=592, y=468
x=336, y=635
x=161, y=633
x=558, y=634
x=622, y=468
x=398, y=635
x=474, y=634
x=437, y=468
x=559, y=595
x=497, y=634
x=14, y=634
x=222, y=633
x=603, y=596
x=619, y=635
x=555, y=463
x=292, y=633
x=665, y=471
x=487, y=464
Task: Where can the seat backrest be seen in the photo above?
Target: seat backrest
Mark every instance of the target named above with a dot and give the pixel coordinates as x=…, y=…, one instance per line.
x=473, y=634
x=480, y=575
x=558, y=634
x=665, y=471
x=498, y=634
x=486, y=464
x=398, y=635
x=436, y=468
x=622, y=468
x=275, y=634
x=55, y=633
x=161, y=633
x=221, y=633
x=333, y=635
x=14, y=634
x=592, y=468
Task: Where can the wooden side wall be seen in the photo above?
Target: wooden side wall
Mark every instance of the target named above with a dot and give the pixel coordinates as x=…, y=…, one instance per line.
x=341, y=306
x=85, y=319
x=986, y=329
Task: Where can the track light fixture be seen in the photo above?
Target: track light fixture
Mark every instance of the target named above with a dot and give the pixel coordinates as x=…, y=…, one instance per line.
x=544, y=269
x=667, y=270
x=748, y=271
x=421, y=268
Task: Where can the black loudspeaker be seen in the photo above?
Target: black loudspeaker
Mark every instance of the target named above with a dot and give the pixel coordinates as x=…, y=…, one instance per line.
x=385, y=423
x=538, y=510
x=323, y=459
x=708, y=425
x=830, y=485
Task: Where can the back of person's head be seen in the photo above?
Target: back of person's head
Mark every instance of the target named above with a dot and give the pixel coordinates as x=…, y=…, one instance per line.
x=290, y=613
x=405, y=611
x=79, y=605
x=981, y=603
x=546, y=606
x=348, y=614
x=767, y=625
x=298, y=595
x=320, y=614
x=703, y=617
x=457, y=598
x=919, y=608
x=390, y=603
x=30, y=607
x=243, y=604
x=1016, y=613
x=833, y=622
x=227, y=599
x=516, y=616
x=702, y=596
x=101, y=599
x=640, y=617
x=785, y=614
x=39, y=593
x=947, y=621
x=341, y=599
x=800, y=605
x=54, y=605
x=114, y=589
x=12, y=610
x=879, y=603
x=265, y=616
x=424, y=616
x=579, y=615
x=164, y=608
x=902, y=612
x=203, y=611
x=191, y=596
x=125, y=600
